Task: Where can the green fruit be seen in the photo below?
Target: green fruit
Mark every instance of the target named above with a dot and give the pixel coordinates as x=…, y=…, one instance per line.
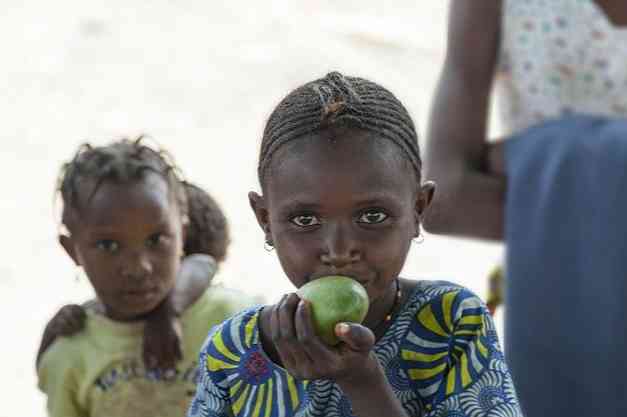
x=334, y=299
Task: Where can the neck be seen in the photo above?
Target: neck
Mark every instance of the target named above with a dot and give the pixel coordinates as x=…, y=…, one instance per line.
x=383, y=310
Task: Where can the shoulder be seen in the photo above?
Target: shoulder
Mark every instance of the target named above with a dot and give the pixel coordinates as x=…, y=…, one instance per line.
x=451, y=345
x=453, y=299
x=230, y=299
x=229, y=341
x=218, y=304
x=63, y=363
x=230, y=344
x=441, y=309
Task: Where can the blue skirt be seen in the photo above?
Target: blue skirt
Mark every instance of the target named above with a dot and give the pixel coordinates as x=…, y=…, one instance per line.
x=566, y=291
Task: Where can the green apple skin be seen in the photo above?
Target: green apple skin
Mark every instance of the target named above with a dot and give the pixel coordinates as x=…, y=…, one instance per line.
x=334, y=299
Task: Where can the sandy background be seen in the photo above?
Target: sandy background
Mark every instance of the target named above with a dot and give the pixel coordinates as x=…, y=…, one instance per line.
x=201, y=78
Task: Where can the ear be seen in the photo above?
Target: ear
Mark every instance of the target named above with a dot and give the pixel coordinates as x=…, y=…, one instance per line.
x=258, y=204
x=68, y=244
x=423, y=201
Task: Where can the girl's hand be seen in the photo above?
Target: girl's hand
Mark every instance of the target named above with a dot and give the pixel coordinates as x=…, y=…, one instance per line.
x=162, y=339
x=69, y=320
x=305, y=356
x=163, y=333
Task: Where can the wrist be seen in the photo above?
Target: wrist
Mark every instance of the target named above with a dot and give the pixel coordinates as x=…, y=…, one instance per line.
x=167, y=308
x=370, y=377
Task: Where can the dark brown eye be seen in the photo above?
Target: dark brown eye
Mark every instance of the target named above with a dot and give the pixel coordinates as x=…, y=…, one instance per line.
x=108, y=245
x=305, y=220
x=155, y=240
x=372, y=217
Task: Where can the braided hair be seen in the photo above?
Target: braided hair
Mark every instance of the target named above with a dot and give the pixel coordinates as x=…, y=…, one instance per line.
x=208, y=230
x=122, y=161
x=338, y=100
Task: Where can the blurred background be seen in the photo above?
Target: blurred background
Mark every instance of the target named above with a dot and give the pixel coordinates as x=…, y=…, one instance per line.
x=200, y=78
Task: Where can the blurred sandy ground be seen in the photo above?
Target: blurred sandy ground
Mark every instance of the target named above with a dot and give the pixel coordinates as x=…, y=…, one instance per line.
x=201, y=78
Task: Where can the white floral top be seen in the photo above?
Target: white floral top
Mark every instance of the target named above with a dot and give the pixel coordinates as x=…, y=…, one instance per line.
x=559, y=57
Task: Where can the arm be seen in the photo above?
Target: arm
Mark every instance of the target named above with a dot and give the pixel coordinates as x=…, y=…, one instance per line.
x=352, y=364
x=69, y=320
x=196, y=273
x=211, y=398
x=469, y=199
x=163, y=333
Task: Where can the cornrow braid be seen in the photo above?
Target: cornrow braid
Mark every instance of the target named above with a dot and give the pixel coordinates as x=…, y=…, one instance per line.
x=122, y=161
x=339, y=100
x=208, y=230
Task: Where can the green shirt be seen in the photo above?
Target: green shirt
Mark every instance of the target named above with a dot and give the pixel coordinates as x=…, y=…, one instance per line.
x=100, y=372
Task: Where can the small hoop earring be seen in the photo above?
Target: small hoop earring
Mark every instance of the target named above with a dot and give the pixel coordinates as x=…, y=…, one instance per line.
x=419, y=239
x=268, y=245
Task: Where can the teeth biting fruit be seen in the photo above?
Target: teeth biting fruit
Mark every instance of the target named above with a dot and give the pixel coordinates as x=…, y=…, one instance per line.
x=334, y=299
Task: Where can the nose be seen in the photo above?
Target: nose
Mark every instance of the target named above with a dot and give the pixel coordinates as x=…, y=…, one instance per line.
x=137, y=266
x=341, y=247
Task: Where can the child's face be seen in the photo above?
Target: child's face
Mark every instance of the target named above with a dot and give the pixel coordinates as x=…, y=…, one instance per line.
x=348, y=207
x=128, y=239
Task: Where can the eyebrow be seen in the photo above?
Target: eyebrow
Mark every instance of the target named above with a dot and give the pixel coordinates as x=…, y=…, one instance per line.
x=370, y=199
x=376, y=198
x=298, y=205
x=108, y=229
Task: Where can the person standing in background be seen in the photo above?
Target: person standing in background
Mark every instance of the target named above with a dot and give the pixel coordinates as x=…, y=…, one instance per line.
x=552, y=190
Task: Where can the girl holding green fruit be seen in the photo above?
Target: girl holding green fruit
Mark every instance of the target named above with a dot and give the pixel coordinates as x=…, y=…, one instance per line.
x=342, y=194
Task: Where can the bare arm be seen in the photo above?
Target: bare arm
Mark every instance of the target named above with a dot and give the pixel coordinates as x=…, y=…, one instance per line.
x=163, y=333
x=194, y=277
x=69, y=320
x=469, y=198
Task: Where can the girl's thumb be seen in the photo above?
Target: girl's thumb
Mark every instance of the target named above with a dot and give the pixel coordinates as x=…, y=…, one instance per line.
x=357, y=337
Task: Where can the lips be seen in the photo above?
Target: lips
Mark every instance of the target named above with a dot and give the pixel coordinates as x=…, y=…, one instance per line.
x=142, y=293
x=357, y=276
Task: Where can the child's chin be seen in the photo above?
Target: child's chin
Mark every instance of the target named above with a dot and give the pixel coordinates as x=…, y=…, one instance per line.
x=138, y=311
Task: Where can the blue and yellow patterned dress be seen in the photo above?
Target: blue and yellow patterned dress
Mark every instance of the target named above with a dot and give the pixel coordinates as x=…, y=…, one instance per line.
x=441, y=357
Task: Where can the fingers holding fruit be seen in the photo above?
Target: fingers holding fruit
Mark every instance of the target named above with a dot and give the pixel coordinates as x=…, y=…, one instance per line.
x=335, y=299
x=316, y=332
x=284, y=336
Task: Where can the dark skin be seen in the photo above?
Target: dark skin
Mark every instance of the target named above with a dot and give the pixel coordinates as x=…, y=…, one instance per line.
x=128, y=239
x=469, y=170
x=162, y=334
x=325, y=214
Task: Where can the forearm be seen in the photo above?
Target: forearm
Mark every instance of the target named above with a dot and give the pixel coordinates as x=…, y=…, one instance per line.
x=470, y=205
x=469, y=199
x=195, y=276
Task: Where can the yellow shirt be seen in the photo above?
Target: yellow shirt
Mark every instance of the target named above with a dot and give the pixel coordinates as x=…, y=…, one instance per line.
x=99, y=371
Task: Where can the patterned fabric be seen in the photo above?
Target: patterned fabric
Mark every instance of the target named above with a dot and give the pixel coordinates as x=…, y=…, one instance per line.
x=441, y=357
x=559, y=57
